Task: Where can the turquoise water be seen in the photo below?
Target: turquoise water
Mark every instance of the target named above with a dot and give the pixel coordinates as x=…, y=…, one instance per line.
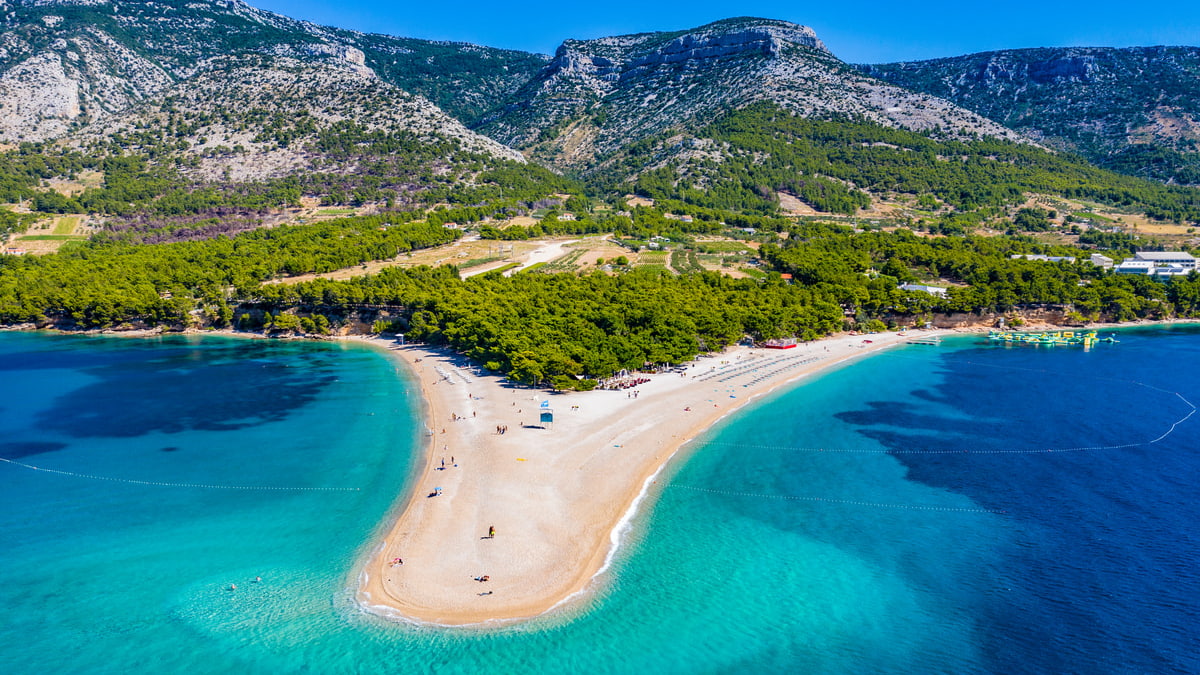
x=807, y=534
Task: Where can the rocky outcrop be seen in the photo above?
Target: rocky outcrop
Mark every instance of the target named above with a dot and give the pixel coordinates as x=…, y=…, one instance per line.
x=767, y=39
x=38, y=99
x=597, y=96
x=234, y=103
x=67, y=63
x=1132, y=109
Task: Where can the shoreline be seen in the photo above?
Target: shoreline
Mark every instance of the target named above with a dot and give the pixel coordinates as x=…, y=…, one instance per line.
x=561, y=553
x=381, y=595
x=581, y=514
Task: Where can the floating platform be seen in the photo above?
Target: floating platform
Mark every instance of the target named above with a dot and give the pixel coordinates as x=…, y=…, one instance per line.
x=1062, y=337
x=931, y=341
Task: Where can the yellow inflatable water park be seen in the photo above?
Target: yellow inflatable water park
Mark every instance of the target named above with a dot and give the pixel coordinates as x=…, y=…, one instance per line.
x=1062, y=337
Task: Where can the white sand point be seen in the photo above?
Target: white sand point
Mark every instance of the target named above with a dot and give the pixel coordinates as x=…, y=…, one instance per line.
x=560, y=498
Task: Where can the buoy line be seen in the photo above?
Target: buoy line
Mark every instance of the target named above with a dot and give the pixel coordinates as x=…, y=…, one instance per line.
x=206, y=486
x=826, y=500
x=969, y=451
x=1192, y=409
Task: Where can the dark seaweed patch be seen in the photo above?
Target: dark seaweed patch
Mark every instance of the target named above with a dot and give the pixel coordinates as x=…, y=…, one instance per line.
x=28, y=449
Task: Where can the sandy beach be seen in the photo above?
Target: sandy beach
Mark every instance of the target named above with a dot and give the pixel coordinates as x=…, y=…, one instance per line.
x=556, y=495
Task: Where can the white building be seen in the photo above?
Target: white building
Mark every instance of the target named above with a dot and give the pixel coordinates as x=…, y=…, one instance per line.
x=1158, y=263
x=932, y=290
x=1164, y=258
x=1133, y=266
x=1172, y=270
x=1102, y=261
x=1043, y=258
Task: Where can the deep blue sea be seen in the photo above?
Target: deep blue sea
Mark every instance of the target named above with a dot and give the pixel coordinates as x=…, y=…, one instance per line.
x=968, y=508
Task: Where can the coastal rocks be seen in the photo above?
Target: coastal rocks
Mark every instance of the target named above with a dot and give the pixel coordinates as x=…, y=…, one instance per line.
x=1053, y=316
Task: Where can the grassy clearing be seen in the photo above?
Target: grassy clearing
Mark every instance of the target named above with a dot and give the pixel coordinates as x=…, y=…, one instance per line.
x=67, y=224
x=685, y=262
x=1093, y=216
x=476, y=262
x=504, y=268
x=657, y=258
x=567, y=263
x=51, y=237
x=724, y=247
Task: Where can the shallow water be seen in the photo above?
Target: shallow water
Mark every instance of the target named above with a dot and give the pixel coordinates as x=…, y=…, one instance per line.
x=804, y=535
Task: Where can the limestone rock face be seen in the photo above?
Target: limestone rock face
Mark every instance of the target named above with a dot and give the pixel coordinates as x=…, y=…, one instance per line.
x=37, y=99
x=596, y=96
x=273, y=109
x=67, y=64
x=1134, y=109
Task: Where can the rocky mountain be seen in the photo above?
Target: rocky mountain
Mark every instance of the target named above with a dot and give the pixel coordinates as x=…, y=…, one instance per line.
x=597, y=96
x=1136, y=110
x=67, y=63
x=213, y=82
x=254, y=118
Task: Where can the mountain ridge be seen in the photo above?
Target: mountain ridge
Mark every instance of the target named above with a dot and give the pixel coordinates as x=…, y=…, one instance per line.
x=1133, y=109
x=597, y=95
x=78, y=67
x=94, y=58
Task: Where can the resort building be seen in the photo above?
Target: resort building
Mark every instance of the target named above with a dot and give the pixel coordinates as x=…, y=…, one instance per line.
x=1102, y=261
x=1044, y=258
x=932, y=290
x=1167, y=258
x=1158, y=263
x=1131, y=266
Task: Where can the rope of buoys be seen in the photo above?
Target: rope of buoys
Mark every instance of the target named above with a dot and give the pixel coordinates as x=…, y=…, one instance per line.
x=1019, y=451
x=1177, y=422
x=826, y=500
x=206, y=486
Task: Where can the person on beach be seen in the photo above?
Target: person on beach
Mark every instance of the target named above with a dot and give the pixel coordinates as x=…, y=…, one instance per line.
x=492, y=532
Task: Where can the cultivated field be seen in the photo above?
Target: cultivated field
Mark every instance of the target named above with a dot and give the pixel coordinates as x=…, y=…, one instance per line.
x=48, y=235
